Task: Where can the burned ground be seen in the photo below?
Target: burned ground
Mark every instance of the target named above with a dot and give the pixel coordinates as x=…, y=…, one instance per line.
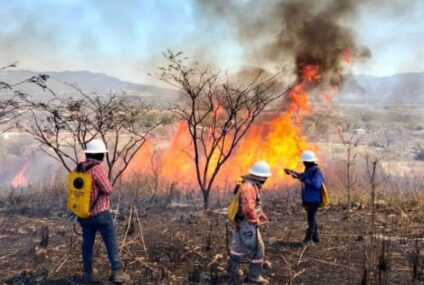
x=187, y=245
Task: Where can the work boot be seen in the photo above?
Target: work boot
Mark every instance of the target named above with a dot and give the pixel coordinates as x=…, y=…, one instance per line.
x=259, y=280
x=233, y=272
x=307, y=240
x=119, y=276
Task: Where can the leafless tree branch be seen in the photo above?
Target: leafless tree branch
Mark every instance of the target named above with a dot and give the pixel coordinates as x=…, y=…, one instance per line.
x=218, y=111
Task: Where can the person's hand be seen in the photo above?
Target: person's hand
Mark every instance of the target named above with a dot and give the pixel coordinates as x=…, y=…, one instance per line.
x=295, y=175
x=263, y=219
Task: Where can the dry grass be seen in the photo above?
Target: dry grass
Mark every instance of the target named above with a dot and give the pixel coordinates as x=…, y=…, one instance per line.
x=184, y=244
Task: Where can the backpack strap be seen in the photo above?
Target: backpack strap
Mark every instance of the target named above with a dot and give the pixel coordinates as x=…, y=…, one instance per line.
x=95, y=201
x=82, y=167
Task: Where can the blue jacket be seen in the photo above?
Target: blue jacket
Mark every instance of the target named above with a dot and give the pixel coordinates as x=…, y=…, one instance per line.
x=312, y=183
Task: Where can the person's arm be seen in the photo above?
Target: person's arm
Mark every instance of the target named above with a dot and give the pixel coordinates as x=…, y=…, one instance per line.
x=100, y=178
x=248, y=200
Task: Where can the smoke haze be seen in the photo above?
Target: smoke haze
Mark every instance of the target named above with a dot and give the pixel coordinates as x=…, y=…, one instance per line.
x=295, y=33
x=122, y=38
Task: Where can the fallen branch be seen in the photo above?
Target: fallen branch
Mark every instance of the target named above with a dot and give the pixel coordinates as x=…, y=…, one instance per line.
x=301, y=255
x=127, y=230
x=141, y=231
x=63, y=263
x=7, y=255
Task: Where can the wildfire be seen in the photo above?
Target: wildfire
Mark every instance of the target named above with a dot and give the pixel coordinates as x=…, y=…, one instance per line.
x=347, y=57
x=20, y=180
x=142, y=162
x=176, y=163
x=279, y=141
x=310, y=73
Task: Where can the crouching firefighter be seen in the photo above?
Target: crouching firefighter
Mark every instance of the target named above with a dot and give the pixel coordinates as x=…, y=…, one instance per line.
x=247, y=241
x=89, y=199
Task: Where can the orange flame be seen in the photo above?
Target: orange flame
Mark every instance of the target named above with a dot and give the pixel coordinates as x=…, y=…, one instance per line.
x=20, y=180
x=176, y=163
x=347, y=56
x=279, y=141
x=310, y=73
x=142, y=162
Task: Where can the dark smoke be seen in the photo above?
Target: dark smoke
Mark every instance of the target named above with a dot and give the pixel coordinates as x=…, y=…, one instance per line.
x=317, y=37
x=304, y=32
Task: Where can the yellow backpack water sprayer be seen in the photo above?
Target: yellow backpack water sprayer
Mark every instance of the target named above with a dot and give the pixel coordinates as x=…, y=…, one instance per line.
x=80, y=184
x=325, y=198
x=233, y=208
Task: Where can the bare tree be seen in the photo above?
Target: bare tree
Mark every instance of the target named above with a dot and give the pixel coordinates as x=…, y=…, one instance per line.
x=9, y=111
x=372, y=162
x=218, y=112
x=12, y=101
x=63, y=126
x=350, y=143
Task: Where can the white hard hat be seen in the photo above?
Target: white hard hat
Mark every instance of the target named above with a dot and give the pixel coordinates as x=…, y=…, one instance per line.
x=96, y=146
x=309, y=156
x=261, y=169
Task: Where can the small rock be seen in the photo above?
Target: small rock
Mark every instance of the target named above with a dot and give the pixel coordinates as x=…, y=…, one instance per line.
x=40, y=254
x=216, y=259
x=380, y=203
x=267, y=265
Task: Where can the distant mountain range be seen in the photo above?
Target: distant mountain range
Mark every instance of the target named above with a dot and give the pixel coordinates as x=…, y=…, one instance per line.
x=89, y=82
x=405, y=88
x=398, y=89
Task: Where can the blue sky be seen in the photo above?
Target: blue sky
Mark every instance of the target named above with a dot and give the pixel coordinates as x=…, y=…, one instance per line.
x=125, y=38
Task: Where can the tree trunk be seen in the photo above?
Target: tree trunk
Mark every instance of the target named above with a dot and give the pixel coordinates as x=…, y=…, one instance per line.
x=205, y=199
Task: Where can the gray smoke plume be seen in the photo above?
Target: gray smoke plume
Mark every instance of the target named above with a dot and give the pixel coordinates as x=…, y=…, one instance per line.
x=317, y=37
x=301, y=31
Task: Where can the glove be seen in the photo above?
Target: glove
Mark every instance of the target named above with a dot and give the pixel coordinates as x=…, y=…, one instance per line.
x=293, y=173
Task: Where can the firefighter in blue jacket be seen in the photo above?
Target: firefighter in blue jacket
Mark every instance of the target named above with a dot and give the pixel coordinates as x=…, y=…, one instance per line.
x=312, y=180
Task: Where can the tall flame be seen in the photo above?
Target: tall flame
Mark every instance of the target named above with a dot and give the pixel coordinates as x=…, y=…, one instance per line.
x=279, y=141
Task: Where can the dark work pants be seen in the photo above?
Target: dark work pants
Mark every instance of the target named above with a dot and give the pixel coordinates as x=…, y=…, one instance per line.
x=247, y=242
x=103, y=223
x=311, y=212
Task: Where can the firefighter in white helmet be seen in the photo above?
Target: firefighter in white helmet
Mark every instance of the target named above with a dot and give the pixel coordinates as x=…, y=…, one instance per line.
x=312, y=180
x=247, y=241
x=100, y=219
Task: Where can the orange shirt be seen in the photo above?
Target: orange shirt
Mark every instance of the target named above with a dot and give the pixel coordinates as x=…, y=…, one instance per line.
x=250, y=202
